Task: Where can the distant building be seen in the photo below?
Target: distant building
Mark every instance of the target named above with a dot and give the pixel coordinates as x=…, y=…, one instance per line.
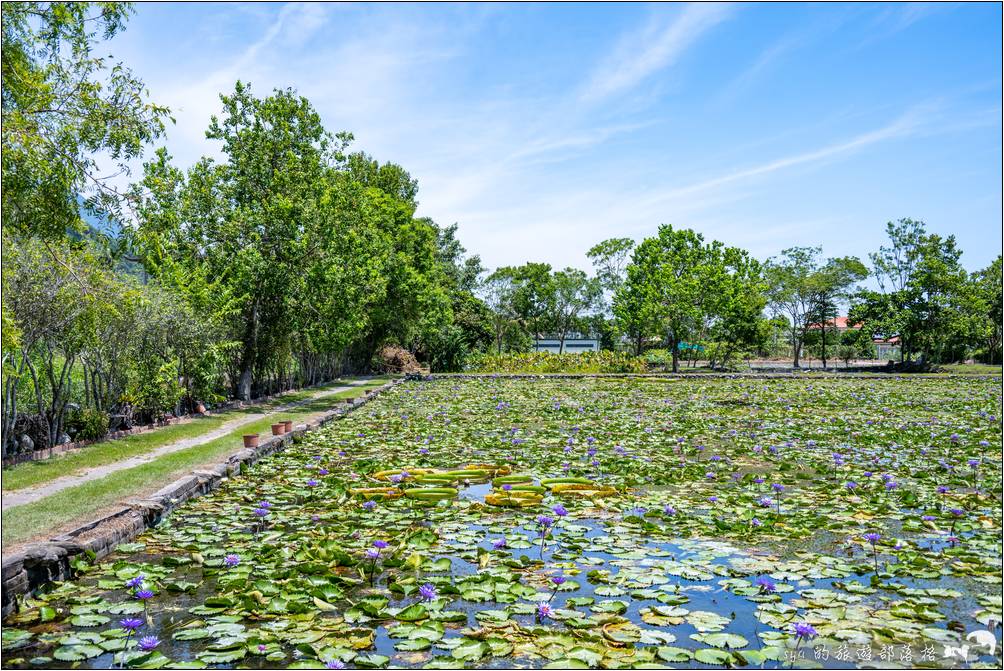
x=574, y=344
x=885, y=348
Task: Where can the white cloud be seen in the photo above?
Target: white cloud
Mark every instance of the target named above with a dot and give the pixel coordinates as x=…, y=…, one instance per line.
x=655, y=47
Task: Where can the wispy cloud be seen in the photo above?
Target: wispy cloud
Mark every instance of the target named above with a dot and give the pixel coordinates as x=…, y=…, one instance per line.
x=658, y=45
x=907, y=124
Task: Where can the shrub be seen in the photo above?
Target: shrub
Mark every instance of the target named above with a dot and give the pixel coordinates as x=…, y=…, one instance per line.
x=548, y=362
x=87, y=424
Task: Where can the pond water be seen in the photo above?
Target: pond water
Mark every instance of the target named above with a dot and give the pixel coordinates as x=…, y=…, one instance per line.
x=687, y=539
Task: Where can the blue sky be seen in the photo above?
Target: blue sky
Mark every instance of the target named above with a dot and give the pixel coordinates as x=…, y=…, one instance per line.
x=543, y=129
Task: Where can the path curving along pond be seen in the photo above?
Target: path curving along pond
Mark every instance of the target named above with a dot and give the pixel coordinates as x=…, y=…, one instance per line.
x=591, y=523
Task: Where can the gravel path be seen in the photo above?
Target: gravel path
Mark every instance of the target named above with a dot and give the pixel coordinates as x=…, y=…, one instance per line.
x=31, y=494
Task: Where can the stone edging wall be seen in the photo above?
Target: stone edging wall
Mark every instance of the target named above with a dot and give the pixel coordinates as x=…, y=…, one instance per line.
x=41, y=563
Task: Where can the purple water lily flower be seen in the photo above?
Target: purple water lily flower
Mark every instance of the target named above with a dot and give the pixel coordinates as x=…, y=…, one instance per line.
x=543, y=611
x=498, y=543
x=131, y=623
x=804, y=630
x=369, y=505
x=334, y=664
x=135, y=582
x=559, y=510
x=428, y=592
x=379, y=544
x=143, y=594
x=766, y=584
x=232, y=560
x=148, y=643
x=372, y=553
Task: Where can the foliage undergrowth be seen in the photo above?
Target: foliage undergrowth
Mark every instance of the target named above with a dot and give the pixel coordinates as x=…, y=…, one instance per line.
x=548, y=362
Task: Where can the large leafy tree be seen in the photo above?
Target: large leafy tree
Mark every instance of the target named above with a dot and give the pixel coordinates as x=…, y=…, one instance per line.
x=533, y=299
x=610, y=259
x=739, y=323
x=807, y=290
x=62, y=107
x=986, y=310
x=921, y=298
x=498, y=291
x=834, y=283
x=574, y=294
x=247, y=222
x=677, y=282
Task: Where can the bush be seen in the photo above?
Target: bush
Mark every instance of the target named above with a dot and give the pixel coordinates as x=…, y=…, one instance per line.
x=548, y=362
x=156, y=389
x=87, y=424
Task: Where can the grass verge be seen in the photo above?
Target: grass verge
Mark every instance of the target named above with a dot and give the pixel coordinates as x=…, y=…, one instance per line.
x=33, y=473
x=77, y=504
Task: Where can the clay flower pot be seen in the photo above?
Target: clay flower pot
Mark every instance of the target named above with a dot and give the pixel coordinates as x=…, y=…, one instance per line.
x=251, y=440
x=288, y=425
x=201, y=409
x=278, y=429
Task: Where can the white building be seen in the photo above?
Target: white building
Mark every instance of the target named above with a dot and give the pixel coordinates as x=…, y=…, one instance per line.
x=572, y=345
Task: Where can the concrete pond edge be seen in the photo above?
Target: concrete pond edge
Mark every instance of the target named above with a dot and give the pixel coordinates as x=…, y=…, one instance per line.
x=40, y=564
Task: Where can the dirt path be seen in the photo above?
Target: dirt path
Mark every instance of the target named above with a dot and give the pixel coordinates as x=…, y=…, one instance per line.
x=31, y=494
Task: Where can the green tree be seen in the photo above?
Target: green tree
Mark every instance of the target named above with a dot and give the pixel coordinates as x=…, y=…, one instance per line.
x=985, y=310
x=678, y=282
x=499, y=293
x=834, y=282
x=922, y=286
x=533, y=299
x=738, y=319
x=610, y=259
x=574, y=294
x=62, y=107
x=245, y=222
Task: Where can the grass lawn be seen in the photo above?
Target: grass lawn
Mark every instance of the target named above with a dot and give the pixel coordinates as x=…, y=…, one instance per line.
x=969, y=369
x=34, y=473
x=80, y=502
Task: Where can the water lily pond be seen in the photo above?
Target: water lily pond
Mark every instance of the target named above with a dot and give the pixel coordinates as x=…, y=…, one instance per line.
x=586, y=523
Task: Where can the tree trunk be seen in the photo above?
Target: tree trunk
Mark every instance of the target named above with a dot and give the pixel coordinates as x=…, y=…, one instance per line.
x=249, y=354
x=824, y=343
x=675, y=345
x=637, y=346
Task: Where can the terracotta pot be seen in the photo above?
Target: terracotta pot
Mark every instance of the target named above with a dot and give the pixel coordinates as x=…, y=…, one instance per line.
x=251, y=440
x=278, y=429
x=201, y=409
x=288, y=425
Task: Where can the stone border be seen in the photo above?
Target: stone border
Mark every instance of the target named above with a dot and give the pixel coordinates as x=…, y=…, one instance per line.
x=52, y=560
